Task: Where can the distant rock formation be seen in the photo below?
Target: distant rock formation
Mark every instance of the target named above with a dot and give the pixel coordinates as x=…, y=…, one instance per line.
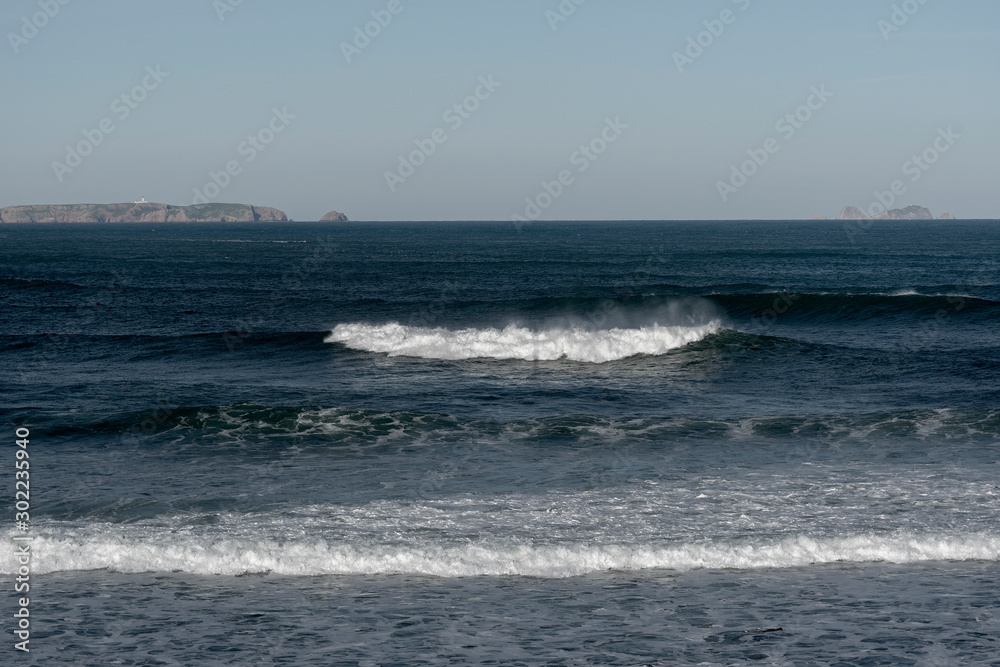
x=948, y=216
x=852, y=213
x=334, y=216
x=908, y=213
x=142, y=212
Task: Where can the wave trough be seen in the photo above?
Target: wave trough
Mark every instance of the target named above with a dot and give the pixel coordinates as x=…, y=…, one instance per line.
x=516, y=342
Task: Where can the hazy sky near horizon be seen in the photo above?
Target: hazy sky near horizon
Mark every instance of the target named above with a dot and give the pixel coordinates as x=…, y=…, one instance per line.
x=887, y=96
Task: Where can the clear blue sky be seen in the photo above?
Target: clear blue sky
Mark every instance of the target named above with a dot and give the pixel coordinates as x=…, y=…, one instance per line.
x=607, y=60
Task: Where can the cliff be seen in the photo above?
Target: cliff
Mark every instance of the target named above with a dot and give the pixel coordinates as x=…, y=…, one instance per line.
x=334, y=216
x=142, y=212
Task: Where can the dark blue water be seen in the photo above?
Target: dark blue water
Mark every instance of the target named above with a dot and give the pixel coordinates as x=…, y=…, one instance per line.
x=578, y=443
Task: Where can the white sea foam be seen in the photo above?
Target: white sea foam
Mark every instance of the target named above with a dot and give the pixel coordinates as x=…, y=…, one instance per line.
x=769, y=519
x=131, y=551
x=515, y=342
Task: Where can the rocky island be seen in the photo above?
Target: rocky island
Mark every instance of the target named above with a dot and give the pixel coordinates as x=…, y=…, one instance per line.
x=908, y=213
x=141, y=211
x=334, y=216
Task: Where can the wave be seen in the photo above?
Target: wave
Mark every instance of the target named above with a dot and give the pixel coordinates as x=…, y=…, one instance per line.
x=39, y=283
x=516, y=342
x=838, y=307
x=134, y=550
x=136, y=347
x=717, y=301
x=243, y=422
x=240, y=422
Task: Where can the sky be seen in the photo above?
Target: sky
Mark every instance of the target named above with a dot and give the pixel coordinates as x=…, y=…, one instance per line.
x=567, y=109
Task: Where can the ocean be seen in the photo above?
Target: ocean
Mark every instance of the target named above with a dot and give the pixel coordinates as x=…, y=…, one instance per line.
x=567, y=443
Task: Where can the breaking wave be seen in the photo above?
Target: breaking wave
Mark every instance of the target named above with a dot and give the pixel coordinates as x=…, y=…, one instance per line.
x=134, y=550
x=516, y=342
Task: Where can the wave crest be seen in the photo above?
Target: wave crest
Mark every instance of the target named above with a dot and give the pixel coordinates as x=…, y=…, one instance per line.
x=516, y=342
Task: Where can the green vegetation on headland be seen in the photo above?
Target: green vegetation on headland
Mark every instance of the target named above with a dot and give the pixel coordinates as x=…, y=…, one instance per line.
x=142, y=212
